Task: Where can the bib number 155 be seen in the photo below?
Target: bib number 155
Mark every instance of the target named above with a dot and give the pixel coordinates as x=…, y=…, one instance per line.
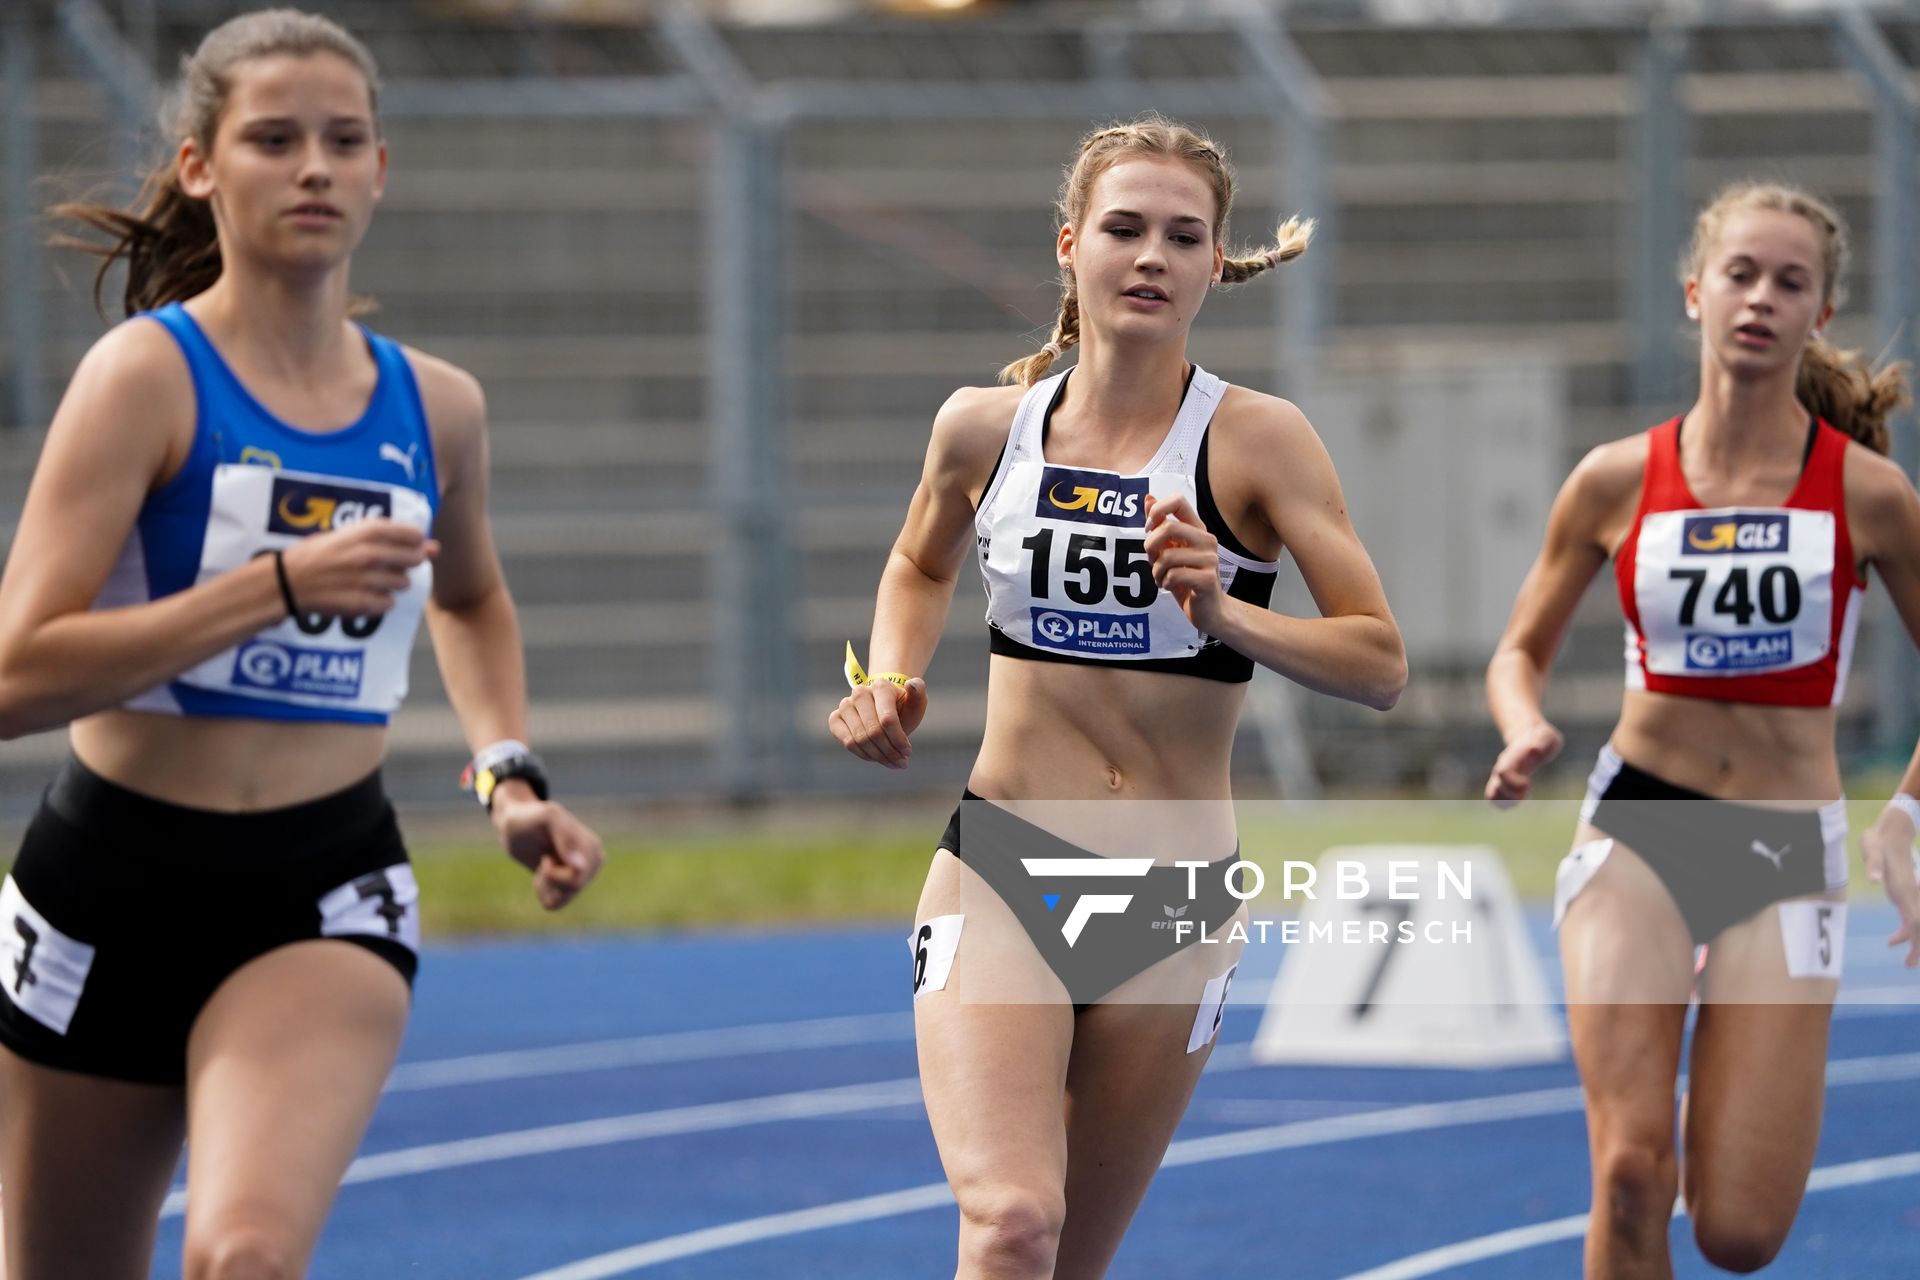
x=1093, y=565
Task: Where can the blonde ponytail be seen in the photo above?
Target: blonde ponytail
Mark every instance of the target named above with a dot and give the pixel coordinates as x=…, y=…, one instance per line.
x=1289, y=242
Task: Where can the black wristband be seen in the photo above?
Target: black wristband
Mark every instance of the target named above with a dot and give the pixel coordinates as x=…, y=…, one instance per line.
x=495, y=763
x=286, y=587
x=526, y=767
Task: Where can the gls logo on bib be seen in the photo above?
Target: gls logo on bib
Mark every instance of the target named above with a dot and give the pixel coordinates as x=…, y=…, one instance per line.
x=1092, y=497
x=303, y=507
x=1723, y=535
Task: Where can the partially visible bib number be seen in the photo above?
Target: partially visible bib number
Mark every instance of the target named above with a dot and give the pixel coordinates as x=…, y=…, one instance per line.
x=315, y=660
x=1734, y=592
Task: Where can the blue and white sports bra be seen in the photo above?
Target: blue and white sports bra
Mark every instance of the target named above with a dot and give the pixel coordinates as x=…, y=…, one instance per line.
x=250, y=484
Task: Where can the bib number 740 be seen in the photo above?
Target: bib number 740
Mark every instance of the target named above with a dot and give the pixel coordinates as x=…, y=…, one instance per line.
x=1776, y=595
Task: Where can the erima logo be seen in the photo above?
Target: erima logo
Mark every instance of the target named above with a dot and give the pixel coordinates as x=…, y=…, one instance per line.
x=1174, y=916
x=1720, y=535
x=302, y=507
x=1088, y=905
x=1739, y=653
x=1092, y=497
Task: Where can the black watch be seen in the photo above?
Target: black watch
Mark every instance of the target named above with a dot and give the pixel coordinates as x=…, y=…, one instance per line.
x=519, y=765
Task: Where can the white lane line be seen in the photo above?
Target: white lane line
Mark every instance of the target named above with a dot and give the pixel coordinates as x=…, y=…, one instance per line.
x=806, y=1105
x=866, y=1209
x=705, y=1118
x=936, y=1194
x=1372, y=1124
x=1862, y=1172
x=1501, y=1243
x=1190, y=1151
x=1882, y=1070
x=1497, y=1245
x=823, y=1033
x=1230, y=1111
x=638, y=1051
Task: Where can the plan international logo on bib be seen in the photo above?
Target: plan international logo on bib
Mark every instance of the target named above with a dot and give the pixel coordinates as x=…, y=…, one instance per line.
x=1092, y=497
x=1724, y=535
x=302, y=507
x=1739, y=652
x=1076, y=632
x=286, y=668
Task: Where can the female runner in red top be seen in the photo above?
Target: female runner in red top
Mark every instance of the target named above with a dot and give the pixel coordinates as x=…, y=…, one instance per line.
x=1741, y=535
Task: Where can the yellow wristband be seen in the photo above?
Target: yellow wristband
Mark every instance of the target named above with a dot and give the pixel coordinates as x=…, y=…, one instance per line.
x=856, y=676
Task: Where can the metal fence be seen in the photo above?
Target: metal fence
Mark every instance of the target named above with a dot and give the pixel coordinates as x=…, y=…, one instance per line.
x=717, y=278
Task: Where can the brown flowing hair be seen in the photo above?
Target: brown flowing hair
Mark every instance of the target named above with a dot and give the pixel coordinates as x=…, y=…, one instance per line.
x=1148, y=135
x=168, y=239
x=1840, y=386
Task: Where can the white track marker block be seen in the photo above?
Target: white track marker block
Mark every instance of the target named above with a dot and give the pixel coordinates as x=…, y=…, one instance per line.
x=1424, y=996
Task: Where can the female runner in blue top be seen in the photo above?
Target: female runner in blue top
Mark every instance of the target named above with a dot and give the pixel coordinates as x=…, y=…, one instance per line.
x=244, y=507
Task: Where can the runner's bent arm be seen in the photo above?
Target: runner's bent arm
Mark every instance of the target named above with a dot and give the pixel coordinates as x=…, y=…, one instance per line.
x=1353, y=650
x=476, y=633
x=1573, y=551
x=916, y=588
x=476, y=639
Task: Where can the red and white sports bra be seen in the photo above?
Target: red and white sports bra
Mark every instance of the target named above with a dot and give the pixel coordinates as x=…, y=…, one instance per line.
x=1741, y=604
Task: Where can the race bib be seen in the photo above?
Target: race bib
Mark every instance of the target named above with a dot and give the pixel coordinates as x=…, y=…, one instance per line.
x=1213, y=1008
x=934, y=943
x=379, y=904
x=1814, y=935
x=1734, y=592
x=314, y=660
x=1070, y=564
x=43, y=970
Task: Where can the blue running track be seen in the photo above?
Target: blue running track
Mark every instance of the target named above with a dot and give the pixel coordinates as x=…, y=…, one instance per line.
x=743, y=1105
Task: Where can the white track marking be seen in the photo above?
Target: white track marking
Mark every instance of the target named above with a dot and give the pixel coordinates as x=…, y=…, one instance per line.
x=641, y=1051
x=1497, y=1245
x=842, y=1213
x=1501, y=1243
x=1397, y=1120
x=807, y=1105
